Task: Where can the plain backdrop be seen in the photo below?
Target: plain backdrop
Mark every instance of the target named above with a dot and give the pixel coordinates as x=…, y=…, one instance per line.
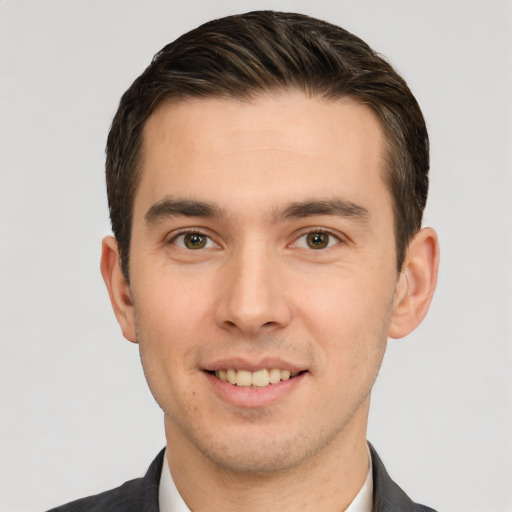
x=76, y=416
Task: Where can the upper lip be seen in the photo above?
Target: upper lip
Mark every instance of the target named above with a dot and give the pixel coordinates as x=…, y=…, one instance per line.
x=252, y=365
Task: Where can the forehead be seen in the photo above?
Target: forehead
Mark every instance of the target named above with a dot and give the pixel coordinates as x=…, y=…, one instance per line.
x=217, y=148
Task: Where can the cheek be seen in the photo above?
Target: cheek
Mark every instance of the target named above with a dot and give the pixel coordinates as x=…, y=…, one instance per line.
x=173, y=312
x=167, y=358
x=356, y=298
x=348, y=314
x=163, y=326
x=172, y=302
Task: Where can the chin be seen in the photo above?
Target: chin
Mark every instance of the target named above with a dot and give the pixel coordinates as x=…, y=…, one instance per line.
x=262, y=459
x=259, y=450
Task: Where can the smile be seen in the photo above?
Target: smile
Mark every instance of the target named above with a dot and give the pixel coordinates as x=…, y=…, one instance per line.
x=258, y=378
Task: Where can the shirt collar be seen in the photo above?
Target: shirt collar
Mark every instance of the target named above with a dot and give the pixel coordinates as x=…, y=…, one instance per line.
x=169, y=498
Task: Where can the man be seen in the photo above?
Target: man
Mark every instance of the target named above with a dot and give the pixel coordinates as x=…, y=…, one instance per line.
x=266, y=177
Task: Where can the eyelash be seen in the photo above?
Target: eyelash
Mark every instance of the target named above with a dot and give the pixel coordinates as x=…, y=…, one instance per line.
x=332, y=237
x=185, y=232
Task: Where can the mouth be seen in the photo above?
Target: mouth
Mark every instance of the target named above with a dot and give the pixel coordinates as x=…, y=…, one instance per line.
x=257, y=379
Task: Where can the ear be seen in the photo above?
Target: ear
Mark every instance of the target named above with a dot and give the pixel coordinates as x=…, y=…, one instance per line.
x=118, y=288
x=416, y=284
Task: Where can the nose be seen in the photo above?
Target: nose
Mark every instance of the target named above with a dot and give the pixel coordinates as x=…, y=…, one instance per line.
x=253, y=294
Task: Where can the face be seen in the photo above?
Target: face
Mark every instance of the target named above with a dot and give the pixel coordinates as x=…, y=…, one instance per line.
x=262, y=274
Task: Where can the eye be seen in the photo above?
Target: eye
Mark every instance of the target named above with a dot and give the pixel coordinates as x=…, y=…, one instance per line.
x=316, y=240
x=193, y=241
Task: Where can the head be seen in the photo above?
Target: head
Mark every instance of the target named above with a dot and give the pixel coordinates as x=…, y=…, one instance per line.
x=243, y=56
x=266, y=177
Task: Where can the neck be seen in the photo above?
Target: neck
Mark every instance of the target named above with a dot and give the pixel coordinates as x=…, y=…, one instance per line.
x=328, y=480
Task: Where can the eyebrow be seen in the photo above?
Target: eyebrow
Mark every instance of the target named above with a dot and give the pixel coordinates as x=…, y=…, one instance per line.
x=335, y=206
x=169, y=207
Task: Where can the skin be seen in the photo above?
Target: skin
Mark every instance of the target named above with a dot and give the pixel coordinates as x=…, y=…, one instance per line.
x=257, y=295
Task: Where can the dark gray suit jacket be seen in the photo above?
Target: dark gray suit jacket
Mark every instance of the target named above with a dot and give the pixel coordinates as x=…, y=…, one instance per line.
x=141, y=495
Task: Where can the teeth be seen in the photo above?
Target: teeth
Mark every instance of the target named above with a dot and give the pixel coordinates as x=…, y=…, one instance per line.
x=243, y=378
x=231, y=376
x=259, y=378
x=285, y=374
x=274, y=375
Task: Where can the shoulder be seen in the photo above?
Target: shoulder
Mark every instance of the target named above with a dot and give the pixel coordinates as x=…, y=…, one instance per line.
x=387, y=495
x=113, y=500
x=140, y=494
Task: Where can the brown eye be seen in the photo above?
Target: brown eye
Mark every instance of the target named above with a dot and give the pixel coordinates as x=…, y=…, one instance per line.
x=317, y=240
x=194, y=241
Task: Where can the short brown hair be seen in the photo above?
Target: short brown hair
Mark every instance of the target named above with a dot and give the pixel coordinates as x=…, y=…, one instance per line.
x=244, y=55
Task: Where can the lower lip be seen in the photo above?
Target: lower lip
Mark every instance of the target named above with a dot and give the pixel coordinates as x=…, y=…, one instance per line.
x=254, y=397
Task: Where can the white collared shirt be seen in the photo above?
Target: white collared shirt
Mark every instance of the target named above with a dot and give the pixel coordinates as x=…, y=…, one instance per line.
x=170, y=499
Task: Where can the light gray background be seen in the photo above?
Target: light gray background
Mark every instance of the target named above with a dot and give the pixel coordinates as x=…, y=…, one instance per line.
x=76, y=415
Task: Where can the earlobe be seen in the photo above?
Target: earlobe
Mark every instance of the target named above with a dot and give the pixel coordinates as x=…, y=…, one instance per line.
x=118, y=288
x=416, y=284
